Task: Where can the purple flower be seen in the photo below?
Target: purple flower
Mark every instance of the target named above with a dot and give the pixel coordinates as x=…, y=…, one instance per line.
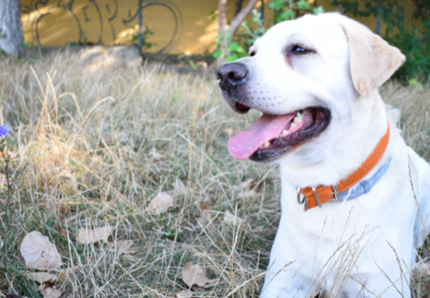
x=4, y=129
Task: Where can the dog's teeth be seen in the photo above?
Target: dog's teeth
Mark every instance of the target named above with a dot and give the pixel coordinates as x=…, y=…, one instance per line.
x=293, y=125
x=265, y=145
x=284, y=132
x=298, y=118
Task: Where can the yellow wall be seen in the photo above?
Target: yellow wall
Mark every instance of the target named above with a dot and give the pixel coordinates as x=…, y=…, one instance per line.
x=179, y=26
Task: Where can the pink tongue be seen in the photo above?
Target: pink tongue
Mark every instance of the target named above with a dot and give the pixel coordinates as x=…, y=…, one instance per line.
x=267, y=127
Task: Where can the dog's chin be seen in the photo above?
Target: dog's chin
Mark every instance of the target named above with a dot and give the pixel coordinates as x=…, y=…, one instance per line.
x=233, y=99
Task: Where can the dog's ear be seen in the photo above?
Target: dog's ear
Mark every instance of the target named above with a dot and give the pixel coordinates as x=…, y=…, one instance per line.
x=372, y=59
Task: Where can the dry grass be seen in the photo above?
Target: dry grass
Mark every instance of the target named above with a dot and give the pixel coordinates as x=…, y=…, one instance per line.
x=100, y=146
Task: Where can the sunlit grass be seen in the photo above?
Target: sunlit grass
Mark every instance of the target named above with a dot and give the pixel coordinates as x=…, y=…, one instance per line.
x=100, y=146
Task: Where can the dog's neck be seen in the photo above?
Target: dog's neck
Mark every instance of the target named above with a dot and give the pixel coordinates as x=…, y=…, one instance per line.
x=349, y=146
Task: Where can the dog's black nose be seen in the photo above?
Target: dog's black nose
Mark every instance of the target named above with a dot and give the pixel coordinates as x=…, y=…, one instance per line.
x=231, y=75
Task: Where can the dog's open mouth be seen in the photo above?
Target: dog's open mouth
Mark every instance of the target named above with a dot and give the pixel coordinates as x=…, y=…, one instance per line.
x=271, y=136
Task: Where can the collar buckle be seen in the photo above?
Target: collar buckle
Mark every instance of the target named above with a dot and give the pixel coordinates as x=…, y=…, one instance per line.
x=336, y=193
x=299, y=193
x=301, y=201
x=316, y=197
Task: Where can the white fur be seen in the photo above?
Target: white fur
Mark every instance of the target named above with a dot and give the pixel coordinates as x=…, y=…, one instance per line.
x=364, y=247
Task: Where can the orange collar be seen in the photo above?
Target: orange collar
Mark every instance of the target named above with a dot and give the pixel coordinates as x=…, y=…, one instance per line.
x=322, y=194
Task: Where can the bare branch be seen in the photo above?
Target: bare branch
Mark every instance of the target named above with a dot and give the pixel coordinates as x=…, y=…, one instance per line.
x=240, y=17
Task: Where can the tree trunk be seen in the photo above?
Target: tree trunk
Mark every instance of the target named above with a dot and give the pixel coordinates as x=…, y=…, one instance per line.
x=10, y=26
x=222, y=24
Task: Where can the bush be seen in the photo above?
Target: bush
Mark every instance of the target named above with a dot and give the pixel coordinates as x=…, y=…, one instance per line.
x=414, y=44
x=283, y=10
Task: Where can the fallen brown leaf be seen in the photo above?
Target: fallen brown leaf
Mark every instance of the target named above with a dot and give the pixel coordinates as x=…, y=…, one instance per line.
x=193, y=275
x=179, y=188
x=123, y=247
x=38, y=252
x=51, y=293
x=160, y=203
x=63, y=233
x=181, y=294
x=232, y=219
x=87, y=236
x=42, y=277
x=205, y=217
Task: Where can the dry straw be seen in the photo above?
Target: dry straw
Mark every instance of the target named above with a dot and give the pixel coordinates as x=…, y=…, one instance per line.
x=100, y=146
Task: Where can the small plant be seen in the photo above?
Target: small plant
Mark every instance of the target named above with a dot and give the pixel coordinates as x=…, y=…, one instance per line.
x=10, y=175
x=252, y=34
x=412, y=42
x=145, y=35
x=283, y=9
x=9, y=228
x=234, y=49
x=290, y=9
x=415, y=45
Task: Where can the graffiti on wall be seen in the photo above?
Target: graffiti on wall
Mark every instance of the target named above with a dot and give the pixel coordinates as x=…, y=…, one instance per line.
x=102, y=22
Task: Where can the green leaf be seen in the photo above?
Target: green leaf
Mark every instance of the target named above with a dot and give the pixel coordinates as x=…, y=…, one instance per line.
x=276, y=5
x=231, y=58
x=217, y=54
x=286, y=15
x=192, y=64
x=234, y=46
x=249, y=42
x=303, y=5
x=414, y=84
x=317, y=10
x=259, y=31
x=241, y=51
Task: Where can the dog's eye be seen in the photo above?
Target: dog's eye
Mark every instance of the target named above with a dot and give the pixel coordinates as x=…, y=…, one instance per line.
x=252, y=54
x=298, y=50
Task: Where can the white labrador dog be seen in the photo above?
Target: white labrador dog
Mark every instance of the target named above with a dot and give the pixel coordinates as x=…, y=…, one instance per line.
x=365, y=193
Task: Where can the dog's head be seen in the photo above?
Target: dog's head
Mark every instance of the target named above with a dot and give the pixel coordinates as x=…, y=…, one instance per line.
x=304, y=75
